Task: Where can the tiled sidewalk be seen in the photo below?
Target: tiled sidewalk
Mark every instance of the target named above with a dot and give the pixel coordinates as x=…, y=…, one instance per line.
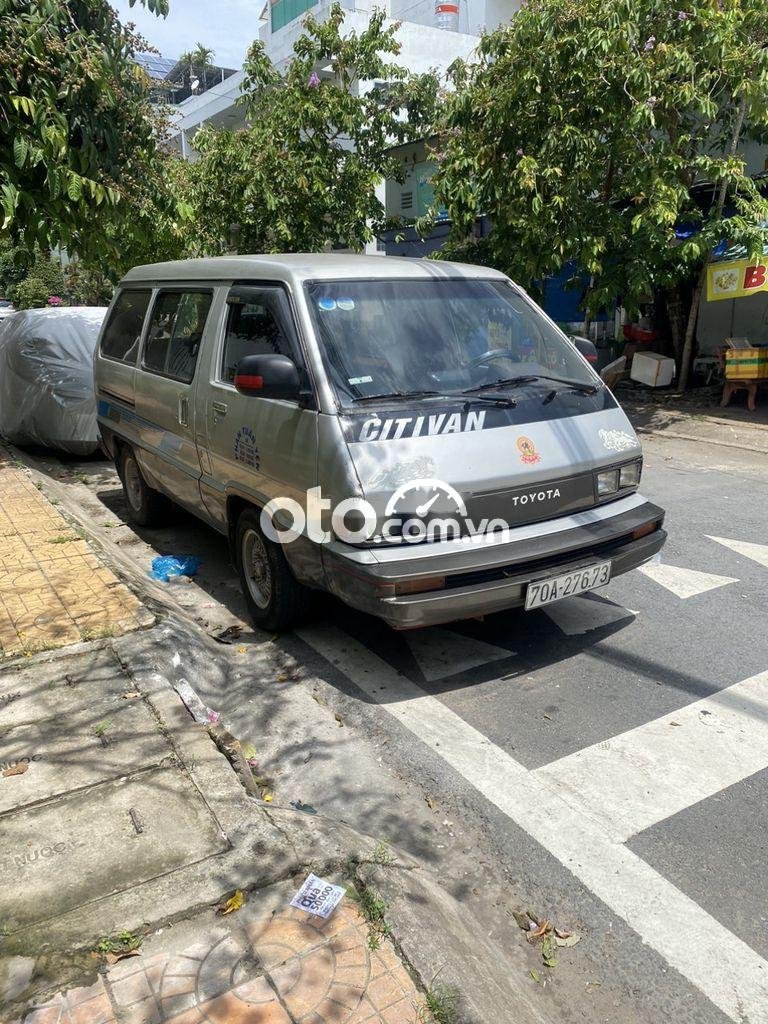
x=282, y=968
x=53, y=589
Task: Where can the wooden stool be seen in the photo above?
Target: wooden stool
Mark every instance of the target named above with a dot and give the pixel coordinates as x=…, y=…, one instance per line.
x=750, y=386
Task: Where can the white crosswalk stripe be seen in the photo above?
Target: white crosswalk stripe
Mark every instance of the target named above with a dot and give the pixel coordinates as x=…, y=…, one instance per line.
x=731, y=974
x=633, y=780
x=757, y=552
x=578, y=615
x=682, y=582
x=443, y=652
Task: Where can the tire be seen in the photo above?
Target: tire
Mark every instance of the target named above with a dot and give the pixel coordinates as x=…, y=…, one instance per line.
x=146, y=506
x=275, y=599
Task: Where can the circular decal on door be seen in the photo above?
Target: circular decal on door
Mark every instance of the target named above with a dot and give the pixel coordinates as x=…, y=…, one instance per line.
x=245, y=447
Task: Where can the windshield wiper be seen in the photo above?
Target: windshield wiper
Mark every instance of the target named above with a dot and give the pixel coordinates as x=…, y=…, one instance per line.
x=506, y=382
x=456, y=396
x=395, y=394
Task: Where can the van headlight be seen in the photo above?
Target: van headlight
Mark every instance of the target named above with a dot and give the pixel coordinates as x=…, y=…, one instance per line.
x=622, y=478
x=607, y=482
x=629, y=475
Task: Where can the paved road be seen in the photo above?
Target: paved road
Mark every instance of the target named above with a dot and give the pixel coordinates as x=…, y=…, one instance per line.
x=623, y=735
x=605, y=761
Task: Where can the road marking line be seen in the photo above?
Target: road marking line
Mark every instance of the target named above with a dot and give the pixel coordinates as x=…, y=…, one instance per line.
x=442, y=652
x=634, y=780
x=757, y=552
x=683, y=582
x=728, y=971
x=578, y=615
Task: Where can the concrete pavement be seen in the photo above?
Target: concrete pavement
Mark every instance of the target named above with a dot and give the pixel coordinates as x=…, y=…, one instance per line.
x=121, y=823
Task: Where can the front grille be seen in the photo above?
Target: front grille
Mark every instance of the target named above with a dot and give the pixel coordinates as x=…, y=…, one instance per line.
x=501, y=572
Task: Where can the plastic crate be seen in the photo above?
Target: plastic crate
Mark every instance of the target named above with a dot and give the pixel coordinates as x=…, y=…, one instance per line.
x=746, y=364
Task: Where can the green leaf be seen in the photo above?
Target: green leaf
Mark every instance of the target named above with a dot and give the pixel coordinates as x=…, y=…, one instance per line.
x=75, y=187
x=20, y=150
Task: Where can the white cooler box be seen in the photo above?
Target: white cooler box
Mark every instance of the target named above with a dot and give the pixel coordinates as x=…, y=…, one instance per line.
x=652, y=369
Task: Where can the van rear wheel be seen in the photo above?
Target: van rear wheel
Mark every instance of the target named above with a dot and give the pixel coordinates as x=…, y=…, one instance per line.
x=271, y=590
x=145, y=505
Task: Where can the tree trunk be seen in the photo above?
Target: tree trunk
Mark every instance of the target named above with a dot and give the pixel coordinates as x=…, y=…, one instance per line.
x=675, y=316
x=693, y=314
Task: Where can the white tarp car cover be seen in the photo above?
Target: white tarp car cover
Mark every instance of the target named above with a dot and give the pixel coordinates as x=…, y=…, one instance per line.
x=46, y=377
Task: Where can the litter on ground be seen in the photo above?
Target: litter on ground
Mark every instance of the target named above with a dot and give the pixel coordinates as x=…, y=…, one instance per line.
x=318, y=896
x=165, y=566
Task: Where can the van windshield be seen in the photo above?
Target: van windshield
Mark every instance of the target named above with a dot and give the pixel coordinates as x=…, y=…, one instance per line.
x=391, y=337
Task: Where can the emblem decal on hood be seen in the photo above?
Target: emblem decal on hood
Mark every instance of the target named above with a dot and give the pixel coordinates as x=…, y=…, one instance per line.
x=527, y=449
x=617, y=440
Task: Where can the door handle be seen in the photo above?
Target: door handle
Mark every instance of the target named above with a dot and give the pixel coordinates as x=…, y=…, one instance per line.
x=219, y=407
x=183, y=411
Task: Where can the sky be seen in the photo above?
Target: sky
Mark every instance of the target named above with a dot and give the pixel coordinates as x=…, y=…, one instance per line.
x=225, y=26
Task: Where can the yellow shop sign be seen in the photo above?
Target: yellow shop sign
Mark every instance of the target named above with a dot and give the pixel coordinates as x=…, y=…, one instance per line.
x=735, y=279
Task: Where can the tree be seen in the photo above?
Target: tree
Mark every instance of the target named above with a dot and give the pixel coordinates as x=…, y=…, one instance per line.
x=584, y=129
x=202, y=57
x=75, y=120
x=304, y=173
x=29, y=278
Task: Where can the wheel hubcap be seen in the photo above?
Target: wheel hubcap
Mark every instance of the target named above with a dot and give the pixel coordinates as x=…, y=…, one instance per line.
x=258, y=574
x=132, y=483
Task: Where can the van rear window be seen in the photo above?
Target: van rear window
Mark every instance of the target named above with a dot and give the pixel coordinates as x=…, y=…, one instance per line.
x=175, y=332
x=122, y=334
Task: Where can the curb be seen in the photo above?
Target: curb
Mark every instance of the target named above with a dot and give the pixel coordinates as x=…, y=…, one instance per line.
x=675, y=436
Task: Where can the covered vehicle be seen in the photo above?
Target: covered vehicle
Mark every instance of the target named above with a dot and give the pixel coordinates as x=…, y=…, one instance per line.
x=46, y=378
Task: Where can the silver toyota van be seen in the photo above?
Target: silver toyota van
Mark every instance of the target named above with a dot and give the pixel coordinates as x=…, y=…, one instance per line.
x=415, y=437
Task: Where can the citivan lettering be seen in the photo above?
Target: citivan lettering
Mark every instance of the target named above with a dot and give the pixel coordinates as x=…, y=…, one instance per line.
x=392, y=429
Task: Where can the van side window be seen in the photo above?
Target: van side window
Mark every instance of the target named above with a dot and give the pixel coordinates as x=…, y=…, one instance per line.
x=258, y=323
x=175, y=332
x=123, y=331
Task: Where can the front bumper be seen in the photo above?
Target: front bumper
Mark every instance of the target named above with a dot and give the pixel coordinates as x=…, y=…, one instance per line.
x=489, y=577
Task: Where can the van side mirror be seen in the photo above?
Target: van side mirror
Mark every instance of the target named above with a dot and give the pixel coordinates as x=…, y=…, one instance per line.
x=585, y=347
x=268, y=376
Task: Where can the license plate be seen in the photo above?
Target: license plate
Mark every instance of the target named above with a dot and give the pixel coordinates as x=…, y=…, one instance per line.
x=568, y=585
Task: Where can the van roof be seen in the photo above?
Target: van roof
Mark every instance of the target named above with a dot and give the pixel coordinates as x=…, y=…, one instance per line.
x=305, y=266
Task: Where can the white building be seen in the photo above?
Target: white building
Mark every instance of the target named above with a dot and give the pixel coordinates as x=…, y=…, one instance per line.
x=425, y=46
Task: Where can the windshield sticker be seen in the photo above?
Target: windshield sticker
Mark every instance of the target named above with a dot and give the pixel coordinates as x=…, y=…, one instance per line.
x=246, y=450
x=527, y=449
x=326, y=304
x=617, y=440
x=345, y=303
x=360, y=380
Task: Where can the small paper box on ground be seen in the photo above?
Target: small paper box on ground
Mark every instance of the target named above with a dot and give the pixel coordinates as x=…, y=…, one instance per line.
x=653, y=369
x=746, y=364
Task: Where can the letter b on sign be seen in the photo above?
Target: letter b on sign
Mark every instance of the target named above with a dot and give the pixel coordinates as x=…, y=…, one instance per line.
x=754, y=277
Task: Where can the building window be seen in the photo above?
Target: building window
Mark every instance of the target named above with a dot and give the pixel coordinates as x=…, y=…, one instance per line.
x=406, y=200
x=283, y=12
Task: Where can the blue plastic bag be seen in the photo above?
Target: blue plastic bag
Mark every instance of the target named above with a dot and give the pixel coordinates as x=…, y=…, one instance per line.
x=165, y=566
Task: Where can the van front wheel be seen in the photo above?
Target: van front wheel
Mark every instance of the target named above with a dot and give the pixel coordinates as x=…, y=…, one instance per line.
x=145, y=505
x=273, y=595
